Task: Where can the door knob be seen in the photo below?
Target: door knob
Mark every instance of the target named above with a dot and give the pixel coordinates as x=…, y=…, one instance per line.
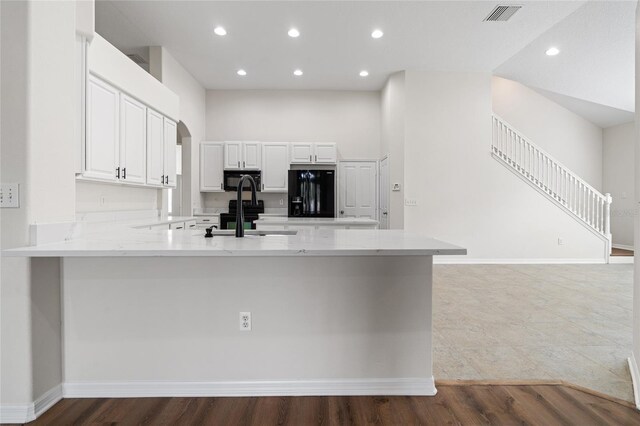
x=341, y=211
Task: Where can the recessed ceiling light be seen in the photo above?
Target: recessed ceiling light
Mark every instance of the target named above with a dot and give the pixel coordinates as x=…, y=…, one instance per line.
x=220, y=31
x=242, y=72
x=377, y=33
x=552, y=51
x=364, y=73
x=293, y=32
x=298, y=73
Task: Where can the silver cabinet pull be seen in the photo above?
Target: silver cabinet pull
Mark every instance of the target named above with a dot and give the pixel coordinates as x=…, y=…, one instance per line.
x=310, y=159
x=221, y=185
x=238, y=164
x=244, y=165
x=316, y=158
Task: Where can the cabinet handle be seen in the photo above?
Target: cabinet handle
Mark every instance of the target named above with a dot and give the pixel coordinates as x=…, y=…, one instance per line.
x=118, y=172
x=310, y=158
x=244, y=165
x=238, y=164
x=316, y=158
x=124, y=173
x=263, y=186
x=221, y=187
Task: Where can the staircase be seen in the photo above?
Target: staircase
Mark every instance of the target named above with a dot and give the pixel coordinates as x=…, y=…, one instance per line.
x=562, y=186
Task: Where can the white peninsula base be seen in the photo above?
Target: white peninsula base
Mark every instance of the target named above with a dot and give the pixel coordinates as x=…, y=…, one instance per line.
x=169, y=326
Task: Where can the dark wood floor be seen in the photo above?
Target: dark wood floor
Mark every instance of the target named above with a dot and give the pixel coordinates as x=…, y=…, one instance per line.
x=455, y=404
x=621, y=252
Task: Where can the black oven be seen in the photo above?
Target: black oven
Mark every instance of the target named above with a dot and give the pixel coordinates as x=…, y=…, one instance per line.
x=232, y=177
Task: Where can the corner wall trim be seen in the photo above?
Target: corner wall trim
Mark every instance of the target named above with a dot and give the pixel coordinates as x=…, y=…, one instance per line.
x=139, y=389
x=28, y=412
x=635, y=379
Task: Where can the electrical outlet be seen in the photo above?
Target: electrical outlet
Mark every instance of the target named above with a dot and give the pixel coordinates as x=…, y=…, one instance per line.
x=395, y=187
x=410, y=202
x=245, y=321
x=560, y=241
x=9, y=195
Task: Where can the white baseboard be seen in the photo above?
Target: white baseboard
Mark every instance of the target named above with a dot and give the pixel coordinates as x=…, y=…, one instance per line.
x=622, y=246
x=438, y=260
x=29, y=412
x=635, y=379
x=140, y=389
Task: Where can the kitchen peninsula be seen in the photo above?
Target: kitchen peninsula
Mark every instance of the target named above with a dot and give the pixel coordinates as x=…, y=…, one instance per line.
x=156, y=313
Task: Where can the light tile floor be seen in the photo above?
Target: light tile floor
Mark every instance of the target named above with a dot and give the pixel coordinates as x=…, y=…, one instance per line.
x=535, y=322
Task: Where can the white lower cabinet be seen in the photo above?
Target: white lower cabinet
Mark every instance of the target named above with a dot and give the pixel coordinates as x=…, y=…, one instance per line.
x=275, y=167
x=211, y=167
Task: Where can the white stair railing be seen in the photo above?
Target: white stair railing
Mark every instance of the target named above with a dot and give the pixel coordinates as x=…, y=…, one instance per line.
x=554, y=179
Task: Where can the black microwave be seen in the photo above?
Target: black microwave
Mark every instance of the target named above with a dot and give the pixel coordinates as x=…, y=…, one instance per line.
x=232, y=177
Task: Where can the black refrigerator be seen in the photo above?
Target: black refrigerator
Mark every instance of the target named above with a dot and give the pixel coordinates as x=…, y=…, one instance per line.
x=312, y=193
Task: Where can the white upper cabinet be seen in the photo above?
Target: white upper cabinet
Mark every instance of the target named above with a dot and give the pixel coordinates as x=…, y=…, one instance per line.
x=170, y=143
x=155, y=148
x=102, y=142
x=313, y=153
x=133, y=140
x=325, y=153
x=251, y=155
x=301, y=153
x=232, y=155
x=211, y=167
x=242, y=155
x=275, y=166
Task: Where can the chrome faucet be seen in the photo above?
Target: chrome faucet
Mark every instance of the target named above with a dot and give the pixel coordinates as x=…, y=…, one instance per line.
x=240, y=209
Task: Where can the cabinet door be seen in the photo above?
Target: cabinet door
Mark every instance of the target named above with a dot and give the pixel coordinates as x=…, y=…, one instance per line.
x=325, y=153
x=211, y=167
x=275, y=167
x=102, y=142
x=302, y=153
x=155, y=148
x=232, y=155
x=133, y=140
x=251, y=155
x=170, y=143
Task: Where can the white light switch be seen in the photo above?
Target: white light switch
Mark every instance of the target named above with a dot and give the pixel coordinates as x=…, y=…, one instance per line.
x=9, y=195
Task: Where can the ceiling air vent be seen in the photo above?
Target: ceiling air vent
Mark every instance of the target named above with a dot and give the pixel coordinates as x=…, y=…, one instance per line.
x=137, y=59
x=502, y=12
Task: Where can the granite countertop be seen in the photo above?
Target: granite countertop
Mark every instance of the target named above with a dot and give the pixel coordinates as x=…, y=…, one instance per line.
x=147, y=243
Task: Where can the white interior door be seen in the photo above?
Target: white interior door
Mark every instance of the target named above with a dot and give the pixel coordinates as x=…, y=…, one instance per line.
x=384, y=194
x=357, y=189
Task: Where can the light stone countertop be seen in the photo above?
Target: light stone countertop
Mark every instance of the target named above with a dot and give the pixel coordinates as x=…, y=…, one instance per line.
x=280, y=220
x=149, y=243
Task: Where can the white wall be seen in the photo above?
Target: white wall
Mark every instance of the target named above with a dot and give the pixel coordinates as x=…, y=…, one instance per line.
x=393, y=113
x=572, y=140
x=618, y=180
x=465, y=196
x=349, y=318
x=96, y=197
x=38, y=152
x=636, y=270
x=192, y=113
